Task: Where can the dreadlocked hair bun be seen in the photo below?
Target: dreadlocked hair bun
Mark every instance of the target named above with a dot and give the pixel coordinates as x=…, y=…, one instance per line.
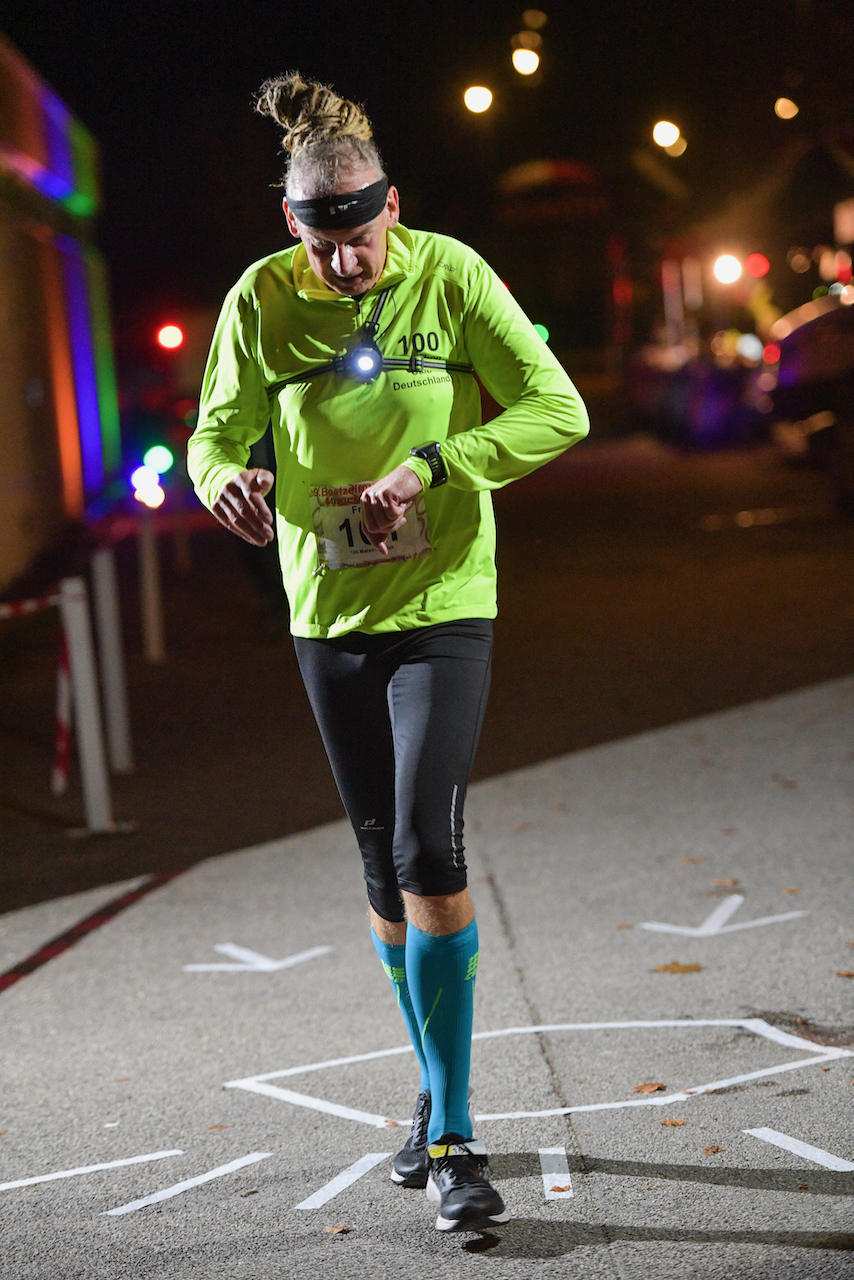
x=310, y=113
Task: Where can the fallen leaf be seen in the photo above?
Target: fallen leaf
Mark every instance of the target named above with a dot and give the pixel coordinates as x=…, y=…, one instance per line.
x=825, y=1068
x=624, y=926
x=726, y=883
x=845, y=973
x=338, y=1231
x=672, y=1124
x=568, y=1187
x=803, y=1187
x=649, y=1087
x=712, y=1151
x=2, y=1131
x=792, y=890
x=393, y=1124
x=119, y=1079
x=219, y=1126
x=676, y=967
x=691, y=860
x=253, y=1192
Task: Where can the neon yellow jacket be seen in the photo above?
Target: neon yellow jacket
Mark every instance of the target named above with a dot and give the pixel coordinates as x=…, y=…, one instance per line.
x=334, y=430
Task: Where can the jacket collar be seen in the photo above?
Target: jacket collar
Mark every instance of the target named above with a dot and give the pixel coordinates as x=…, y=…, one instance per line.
x=399, y=264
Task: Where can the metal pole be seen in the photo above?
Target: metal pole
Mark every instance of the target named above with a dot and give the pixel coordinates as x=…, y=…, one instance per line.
x=111, y=656
x=74, y=608
x=151, y=599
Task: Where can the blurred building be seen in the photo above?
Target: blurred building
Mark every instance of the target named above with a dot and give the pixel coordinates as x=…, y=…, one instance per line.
x=59, y=424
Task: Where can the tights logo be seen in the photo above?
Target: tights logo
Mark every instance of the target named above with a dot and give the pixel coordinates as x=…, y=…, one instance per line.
x=370, y=824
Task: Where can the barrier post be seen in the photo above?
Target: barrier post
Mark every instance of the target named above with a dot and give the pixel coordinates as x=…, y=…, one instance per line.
x=111, y=654
x=151, y=599
x=74, y=609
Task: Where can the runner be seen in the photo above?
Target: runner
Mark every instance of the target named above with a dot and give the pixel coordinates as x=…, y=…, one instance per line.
x=363, y=344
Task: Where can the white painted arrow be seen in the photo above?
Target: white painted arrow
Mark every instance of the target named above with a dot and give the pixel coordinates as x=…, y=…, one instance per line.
x=251, y=961
x=716, y=922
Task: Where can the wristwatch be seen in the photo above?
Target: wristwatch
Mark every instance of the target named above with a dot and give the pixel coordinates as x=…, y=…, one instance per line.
x=432, y=455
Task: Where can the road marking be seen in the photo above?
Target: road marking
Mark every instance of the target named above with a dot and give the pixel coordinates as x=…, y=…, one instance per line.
x=169, y=1192
x=802, y=1149
x=83, y=928
x=343, y=1180
x=758, y=1026
x=88, y=1168
x=253, y=961
x=557, y=1183
x=716, y=922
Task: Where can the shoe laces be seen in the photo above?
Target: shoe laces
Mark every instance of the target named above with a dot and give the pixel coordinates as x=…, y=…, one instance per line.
x=421, y=1120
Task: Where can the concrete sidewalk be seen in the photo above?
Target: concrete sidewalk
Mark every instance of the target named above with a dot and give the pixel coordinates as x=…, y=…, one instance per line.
x=115, y=1050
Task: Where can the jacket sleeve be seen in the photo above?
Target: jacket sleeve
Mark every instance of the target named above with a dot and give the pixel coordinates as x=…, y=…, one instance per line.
x=233, y=408
x=543, y=412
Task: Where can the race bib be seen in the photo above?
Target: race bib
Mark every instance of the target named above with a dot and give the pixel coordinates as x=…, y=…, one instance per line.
x=342, y=543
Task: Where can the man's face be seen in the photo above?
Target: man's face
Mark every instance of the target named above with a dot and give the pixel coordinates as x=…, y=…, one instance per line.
x=350, y=260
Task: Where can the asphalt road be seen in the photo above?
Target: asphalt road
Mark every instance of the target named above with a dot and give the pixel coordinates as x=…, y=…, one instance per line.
x=669, y=743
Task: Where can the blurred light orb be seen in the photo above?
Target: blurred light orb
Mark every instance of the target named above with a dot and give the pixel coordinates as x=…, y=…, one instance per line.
x=527, y=40
x=170, y=336
x=836, y=290
x=535, y=18
x=158, y=458
x=542, y=331
x=478, y=98
x=771, y=353
x=677, y=148
x=145, y=478
x=526, y=61
x=727, y=269
x=757, y=265
x=749, y=347
x=846, y=297
x=799, y=259
x=153, y=496
x=786, y=109
x=665, y=133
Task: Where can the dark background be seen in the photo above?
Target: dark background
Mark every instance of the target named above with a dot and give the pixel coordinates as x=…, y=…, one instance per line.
x=188, y=167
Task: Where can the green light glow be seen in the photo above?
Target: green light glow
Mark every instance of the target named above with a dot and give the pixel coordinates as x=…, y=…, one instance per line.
x=542, y=331
x=159, y=458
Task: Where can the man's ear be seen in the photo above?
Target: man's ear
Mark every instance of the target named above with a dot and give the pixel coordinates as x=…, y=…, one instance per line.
x=393, y=207
x=293, y=225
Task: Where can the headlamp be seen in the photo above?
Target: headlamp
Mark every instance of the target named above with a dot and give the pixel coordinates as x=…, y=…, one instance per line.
x=364, y=362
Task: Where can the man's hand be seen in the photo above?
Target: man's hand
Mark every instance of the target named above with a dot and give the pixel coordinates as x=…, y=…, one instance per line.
x=241, y=507
x=385, y=504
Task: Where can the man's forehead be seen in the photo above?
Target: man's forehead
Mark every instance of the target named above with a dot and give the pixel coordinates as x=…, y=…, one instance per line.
x=341, y=235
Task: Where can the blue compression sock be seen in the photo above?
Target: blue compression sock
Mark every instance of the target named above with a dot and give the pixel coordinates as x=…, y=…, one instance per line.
x=394, y=962
x=440, y=972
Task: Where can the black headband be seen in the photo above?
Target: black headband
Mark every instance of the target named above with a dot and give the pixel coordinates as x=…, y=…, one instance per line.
x=349, y=209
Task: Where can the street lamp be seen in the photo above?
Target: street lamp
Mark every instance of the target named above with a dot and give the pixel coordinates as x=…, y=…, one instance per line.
x=727, y=269
x=526, y=61
x=786, y=109
x=477, y=98
x=665, y=133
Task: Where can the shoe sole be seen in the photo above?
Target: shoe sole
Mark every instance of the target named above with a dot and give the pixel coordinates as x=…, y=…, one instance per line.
x=472, y=1222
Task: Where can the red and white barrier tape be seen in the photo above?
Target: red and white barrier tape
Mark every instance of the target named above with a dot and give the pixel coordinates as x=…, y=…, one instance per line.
x=17, y=608
x=62, y=724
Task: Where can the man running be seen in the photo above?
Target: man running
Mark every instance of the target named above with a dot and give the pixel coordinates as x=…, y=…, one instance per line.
x=362, y=344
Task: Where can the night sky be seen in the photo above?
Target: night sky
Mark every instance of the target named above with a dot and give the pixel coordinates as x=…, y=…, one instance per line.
x=188, y=168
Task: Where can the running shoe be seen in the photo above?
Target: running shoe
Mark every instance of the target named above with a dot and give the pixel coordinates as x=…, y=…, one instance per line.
x=457, y=1182
x=412, y=1164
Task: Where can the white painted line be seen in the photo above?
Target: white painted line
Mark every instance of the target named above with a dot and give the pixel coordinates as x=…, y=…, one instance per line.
x=253, y=961
x=317, y=1104
x=89, y=1168
x=683, y=1096
x=815, y=1154
x=557, y=1183
x=343, y=1180
x=169, y=1192
x=716, y=922
x=758, y=1026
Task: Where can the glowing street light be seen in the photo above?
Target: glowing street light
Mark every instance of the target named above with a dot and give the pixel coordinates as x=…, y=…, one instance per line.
x=170, y=336
x=526, y=61
x=786, y=109
x=727, y=269
x=477, y=98
x=665, y=133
